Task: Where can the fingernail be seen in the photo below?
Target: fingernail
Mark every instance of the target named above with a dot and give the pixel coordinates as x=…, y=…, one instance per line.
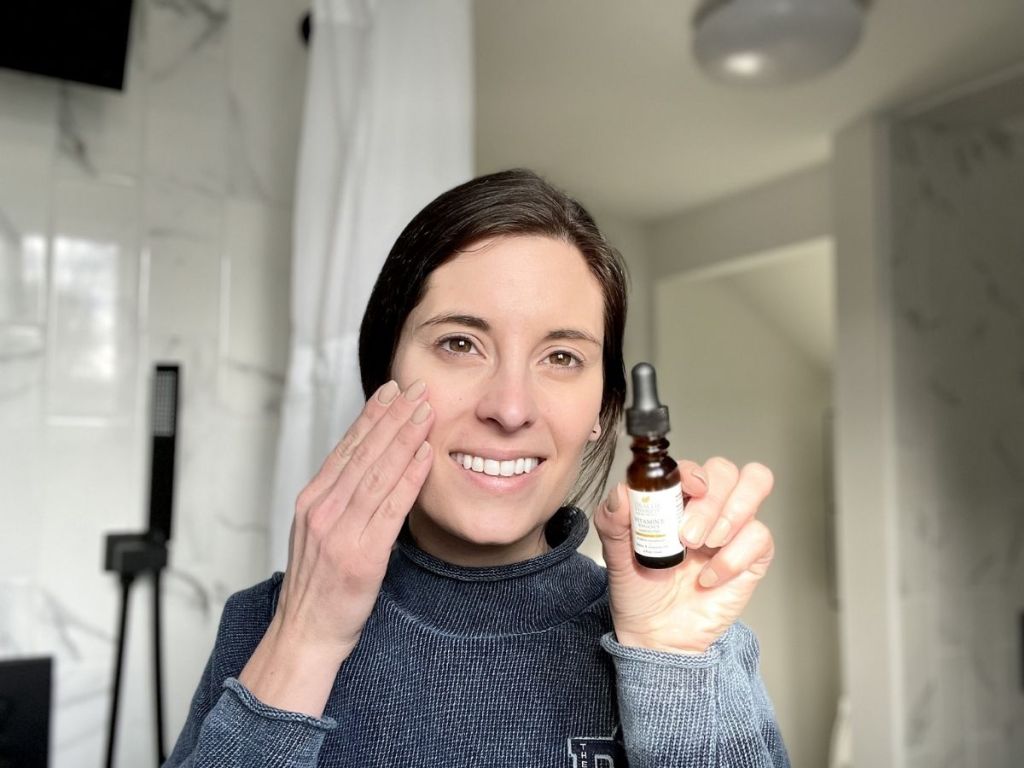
x=699, y=475
x=613, y=499
x=415, y=390
x=693, y=531
x=719, y=533
x=422, y=451
x=421, y=412
x=708, y=578
x=388, y=392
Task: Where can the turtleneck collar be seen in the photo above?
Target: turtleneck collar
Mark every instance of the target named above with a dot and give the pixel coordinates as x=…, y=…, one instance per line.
x=528, y=596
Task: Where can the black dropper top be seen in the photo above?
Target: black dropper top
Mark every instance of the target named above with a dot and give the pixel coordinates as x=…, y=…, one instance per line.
x=647, y=416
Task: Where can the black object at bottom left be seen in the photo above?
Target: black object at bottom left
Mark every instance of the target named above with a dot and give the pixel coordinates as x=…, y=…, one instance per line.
x=131, y=555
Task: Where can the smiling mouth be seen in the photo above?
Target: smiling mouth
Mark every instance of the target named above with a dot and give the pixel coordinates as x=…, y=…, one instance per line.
x=495, y=467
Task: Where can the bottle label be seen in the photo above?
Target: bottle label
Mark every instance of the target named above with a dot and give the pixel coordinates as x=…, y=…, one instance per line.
x=656, y=517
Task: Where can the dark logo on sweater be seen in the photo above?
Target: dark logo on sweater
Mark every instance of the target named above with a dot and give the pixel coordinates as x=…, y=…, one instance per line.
x=598, y=751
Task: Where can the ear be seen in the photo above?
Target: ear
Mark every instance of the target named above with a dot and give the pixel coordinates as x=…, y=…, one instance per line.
x=595, y=433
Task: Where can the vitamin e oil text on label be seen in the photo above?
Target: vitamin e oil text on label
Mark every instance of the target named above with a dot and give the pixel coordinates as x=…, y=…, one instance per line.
x=657, y=516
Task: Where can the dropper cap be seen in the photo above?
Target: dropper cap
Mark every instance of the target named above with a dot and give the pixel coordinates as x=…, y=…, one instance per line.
x=647, y=416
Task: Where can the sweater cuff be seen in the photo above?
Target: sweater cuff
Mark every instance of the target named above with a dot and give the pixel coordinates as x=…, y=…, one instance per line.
x=668, y=702
x=628, y=653
x=265, y=711
x=242, y=730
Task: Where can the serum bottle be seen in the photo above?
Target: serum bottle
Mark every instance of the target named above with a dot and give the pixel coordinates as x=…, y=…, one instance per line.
x=655, y=492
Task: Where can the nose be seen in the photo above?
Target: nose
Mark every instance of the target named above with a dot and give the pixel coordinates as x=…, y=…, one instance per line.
x=508, y=400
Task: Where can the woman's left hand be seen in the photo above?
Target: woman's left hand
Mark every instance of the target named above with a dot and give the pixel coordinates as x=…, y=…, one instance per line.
x=686, y=608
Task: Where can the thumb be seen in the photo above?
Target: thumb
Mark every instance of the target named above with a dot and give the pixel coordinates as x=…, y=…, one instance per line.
x=612, y=523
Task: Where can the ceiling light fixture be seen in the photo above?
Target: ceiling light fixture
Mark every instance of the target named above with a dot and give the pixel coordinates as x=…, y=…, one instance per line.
x=775, y=42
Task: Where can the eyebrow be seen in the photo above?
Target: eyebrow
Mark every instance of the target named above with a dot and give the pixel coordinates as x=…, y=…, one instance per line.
x=458, y=319
x=472, y=321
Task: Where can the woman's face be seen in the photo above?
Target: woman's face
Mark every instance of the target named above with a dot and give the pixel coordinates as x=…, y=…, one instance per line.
x=508, y=338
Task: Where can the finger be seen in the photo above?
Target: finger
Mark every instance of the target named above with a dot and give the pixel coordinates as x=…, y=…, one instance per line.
x=385, y=523
x=694, y=481
x=379, y=479
x=701, y=513
x=751, y=550
x=612, y=523
x=365, y=460
x=755, y=483
x=375, y=408
x=376, y=442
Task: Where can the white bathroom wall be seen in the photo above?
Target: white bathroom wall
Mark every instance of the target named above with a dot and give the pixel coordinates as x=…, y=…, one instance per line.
x=957, y=287
x=146, y=225
x=867, y=551
x=739, y=387
x=930, y=407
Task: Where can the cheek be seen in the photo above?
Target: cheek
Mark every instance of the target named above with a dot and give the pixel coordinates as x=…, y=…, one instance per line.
x=573, y=418
x=448, y=407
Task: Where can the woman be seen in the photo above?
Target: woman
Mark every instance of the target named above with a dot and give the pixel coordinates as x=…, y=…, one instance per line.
x=491, y=357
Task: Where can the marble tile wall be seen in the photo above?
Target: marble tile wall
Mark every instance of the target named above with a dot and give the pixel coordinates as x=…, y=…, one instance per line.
x=958, y=299
x=152, y=224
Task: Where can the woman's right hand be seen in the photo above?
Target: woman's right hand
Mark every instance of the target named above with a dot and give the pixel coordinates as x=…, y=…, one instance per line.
x=346, y=522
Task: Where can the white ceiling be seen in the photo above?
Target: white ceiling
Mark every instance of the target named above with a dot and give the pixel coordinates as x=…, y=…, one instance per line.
x=602, y=96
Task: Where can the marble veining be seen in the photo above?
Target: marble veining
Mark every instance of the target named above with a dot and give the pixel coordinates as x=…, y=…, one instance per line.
x=209, y=22
x=959, y=420
x=164, y=212
x=72, y=142
x=245, y=175
x=31, y=611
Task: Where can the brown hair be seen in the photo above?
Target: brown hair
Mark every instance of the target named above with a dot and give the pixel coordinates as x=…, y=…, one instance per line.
x=514, y=202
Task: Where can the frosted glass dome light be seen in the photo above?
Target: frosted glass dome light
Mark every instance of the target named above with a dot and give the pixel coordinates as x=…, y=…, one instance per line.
x=774, y=42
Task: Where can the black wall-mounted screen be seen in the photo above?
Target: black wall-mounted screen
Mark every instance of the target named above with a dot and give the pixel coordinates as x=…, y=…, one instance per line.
x=81, y=40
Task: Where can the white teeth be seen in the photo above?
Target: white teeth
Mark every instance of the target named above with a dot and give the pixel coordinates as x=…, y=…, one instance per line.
x=496, y=467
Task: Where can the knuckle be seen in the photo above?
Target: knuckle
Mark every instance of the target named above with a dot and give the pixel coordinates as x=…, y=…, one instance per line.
x=375, y=479
x=362, y=457
x=344, y=449
x=303, y=501
x=319, y=520
x=392, y=508
x=761, y=535
x=737, y=510
x=719, y=465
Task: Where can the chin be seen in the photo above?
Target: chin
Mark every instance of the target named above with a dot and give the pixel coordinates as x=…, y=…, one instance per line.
x=487, y=526
x=492, y=523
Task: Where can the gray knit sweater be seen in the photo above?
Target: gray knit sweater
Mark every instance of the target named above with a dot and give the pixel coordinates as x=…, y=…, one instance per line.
x=506, y=666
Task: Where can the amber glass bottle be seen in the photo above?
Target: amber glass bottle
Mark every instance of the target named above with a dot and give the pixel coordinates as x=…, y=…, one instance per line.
x=655, y=492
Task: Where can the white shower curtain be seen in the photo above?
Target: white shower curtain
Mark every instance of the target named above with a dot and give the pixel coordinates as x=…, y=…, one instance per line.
x=387, y=127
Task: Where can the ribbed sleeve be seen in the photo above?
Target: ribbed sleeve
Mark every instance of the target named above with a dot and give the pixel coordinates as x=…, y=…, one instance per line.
x=242, y=731
x=708, y=710
x=227, y=726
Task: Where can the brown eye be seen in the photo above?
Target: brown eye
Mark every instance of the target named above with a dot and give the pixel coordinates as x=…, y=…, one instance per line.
x=459, y=345
x=563, y=359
